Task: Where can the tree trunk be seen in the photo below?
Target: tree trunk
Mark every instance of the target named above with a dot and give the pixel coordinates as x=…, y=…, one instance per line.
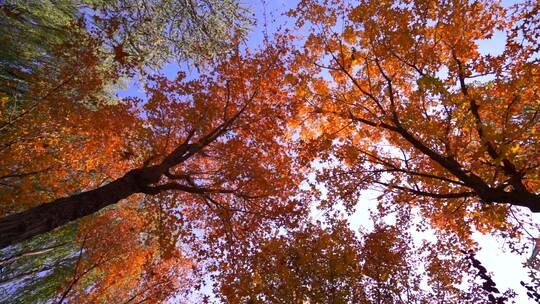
x=39, y=251
x=21, y=226
x=44, y=218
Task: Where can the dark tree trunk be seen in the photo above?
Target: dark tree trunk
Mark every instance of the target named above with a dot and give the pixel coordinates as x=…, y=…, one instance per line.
x=44, y=218
x=21, y=226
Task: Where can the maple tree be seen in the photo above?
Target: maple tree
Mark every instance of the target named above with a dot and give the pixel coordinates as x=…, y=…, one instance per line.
x=192, y=143
x=117, y=265
x=105, y=199
x=58, y=139
x=401, y=94
x=216, y=107
x=314, y=264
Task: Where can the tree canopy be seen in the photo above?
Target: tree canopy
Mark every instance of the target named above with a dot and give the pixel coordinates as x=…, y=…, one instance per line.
x=240, y=177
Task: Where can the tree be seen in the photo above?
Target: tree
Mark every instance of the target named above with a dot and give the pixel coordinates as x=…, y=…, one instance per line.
x=30, y=35
x=334, y=265
x=58, y=139
x=208, y=148
x=308, y=264
x=147, y=33
x=113, y=263
x=83, y=49
x=32, y=272
x=154, y=32
x=203, y=175
x=50, y=55
x=217, y=173
x=410, y=103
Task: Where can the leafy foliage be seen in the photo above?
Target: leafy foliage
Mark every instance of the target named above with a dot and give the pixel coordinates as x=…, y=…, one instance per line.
x=405, y=111
x=334, y=265
x=214, y=176
x=154, y=32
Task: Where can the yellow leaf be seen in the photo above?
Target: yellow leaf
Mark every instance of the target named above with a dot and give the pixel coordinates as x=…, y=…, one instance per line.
x=515, y=149
x=348, y=35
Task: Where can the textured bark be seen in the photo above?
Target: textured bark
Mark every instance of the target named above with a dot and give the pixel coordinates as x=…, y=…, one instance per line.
x=34, y=252
x=44, y=218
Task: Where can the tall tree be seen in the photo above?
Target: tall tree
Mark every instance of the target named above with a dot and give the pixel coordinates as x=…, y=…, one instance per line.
x=201, y=141
x=156, y=32
x=402, y=95
x=83, y=49
x=205, y=171
x=335, y=265
x=57, y=137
